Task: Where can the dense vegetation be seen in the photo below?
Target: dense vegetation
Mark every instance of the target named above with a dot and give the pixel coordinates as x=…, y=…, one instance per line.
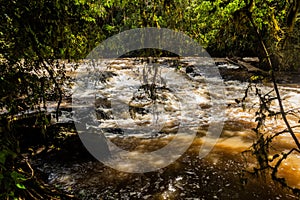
x=34, y=34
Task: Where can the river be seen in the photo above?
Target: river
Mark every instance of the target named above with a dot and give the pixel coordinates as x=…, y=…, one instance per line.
x=188, y=97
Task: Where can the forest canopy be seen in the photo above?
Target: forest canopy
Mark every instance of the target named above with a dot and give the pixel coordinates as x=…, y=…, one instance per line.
x=70, y=29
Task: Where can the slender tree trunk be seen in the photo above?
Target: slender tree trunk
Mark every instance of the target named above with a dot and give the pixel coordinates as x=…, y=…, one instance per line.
x=282, y=111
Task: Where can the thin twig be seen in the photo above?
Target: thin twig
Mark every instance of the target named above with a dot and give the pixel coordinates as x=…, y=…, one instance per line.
x=32, y=171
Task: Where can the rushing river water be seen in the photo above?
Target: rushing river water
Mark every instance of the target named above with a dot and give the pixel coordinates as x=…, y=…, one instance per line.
x=139, y=118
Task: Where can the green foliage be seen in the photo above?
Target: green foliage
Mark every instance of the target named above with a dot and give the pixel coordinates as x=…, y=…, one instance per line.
x=220, y=26
x=272, y=20
x=33, y=35
x=70, y=29
x=10, y=180
x=56, y=29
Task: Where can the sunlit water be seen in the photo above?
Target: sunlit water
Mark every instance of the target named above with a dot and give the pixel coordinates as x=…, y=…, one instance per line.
x=130, y=119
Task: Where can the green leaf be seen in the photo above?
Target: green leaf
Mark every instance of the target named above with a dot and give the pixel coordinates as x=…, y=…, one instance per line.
x=17, y=177
x=21, y=186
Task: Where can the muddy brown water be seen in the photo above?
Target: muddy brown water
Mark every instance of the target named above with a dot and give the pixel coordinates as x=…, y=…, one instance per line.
x=219, y=175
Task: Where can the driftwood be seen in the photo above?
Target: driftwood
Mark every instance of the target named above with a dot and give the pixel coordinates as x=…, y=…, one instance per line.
x=250, y=68
x=245, y=63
